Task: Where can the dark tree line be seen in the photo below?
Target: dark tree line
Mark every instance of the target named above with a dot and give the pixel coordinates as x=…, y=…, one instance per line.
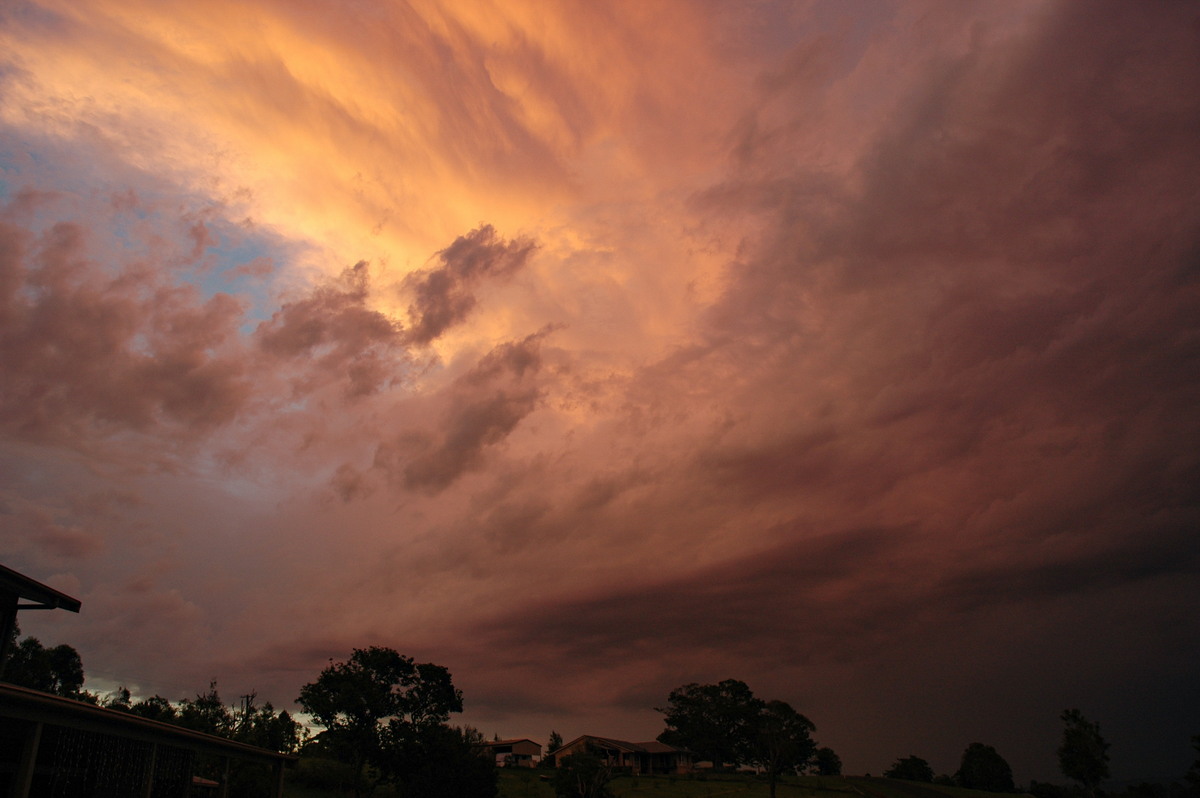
x=384, y=720
x=727, y=724
x=57, y=670
x=386, y=717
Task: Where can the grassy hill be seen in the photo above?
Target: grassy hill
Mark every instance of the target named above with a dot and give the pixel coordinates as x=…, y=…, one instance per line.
x=528, y=784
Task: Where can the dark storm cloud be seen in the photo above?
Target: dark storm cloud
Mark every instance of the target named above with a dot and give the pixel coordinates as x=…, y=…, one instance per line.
x=89, y=347
x=742, y=606
x=338, y=336
x=481, y=408
x=1150, y=552
x=1017, y=259
x=921, y=459
x=987, y=345
x=443, y=296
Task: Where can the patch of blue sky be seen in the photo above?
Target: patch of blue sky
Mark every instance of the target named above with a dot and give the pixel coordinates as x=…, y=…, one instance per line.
x=136, y=216
x=247, y=265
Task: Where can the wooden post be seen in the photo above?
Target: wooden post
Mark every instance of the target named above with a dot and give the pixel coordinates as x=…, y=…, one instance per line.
x=148, y=779
x=225, y=777
x=8, y=622
x=29, y=752
x=278, y=773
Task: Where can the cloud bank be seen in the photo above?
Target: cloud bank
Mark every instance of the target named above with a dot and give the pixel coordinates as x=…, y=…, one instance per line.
x=591, y=350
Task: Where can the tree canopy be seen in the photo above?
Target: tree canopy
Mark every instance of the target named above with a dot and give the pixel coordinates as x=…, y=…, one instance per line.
x=379, y=706
x=553, y=744
x=1083, y=753
x=713, y=721
x=910, y=768
x=982, y=768
x=726, y=724
x=780, y=741
x=57, y=670
x=583, y=774
x=827, y=762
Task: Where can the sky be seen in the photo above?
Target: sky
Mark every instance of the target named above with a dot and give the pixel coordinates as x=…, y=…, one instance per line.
x=590, y=349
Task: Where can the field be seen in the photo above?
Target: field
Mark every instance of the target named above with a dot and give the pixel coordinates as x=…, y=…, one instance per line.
x=530, y=784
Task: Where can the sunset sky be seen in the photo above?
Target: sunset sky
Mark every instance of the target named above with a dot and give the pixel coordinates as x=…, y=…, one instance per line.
x=849, y=349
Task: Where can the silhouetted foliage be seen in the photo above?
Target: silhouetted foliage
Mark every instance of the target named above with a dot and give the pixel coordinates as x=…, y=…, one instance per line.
x=155, y=708
x=713, y=721
x=439, y=762
x=780, y=741
x=583, y=775
x=206, y=713
x=553, y=744
x=250, y=724
x=57, y=670
x=261, y=726
x=982, y=768
x=1083, y=753
x=827, y=763
x=910, y=768
x=119, y=699
x=373, y=705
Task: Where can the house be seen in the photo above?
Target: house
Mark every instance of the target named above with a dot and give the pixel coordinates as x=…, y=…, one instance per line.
x=638, y=758
x=515, y=753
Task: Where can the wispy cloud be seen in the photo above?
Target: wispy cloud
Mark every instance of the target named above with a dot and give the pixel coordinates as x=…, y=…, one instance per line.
x=591, y=350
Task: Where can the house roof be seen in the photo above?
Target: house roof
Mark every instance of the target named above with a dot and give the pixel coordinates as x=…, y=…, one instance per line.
x=655, y=747
x=23, y=587
x=652, y=747
x=491, y=743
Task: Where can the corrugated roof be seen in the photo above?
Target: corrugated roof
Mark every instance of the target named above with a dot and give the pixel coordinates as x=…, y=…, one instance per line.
x=652, y=747
x=513, y=740
x=23, y=587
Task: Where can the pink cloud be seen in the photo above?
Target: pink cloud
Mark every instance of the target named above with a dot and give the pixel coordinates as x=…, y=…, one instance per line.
x=443, y=297
x=857, y=360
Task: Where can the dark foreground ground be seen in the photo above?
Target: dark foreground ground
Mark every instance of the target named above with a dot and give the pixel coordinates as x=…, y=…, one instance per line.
x=529, y=784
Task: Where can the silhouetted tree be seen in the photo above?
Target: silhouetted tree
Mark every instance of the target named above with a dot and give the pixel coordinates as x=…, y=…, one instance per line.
x=827, y=763
x=438, y=762
x=583, y=774
x=714, y=721
x=261, y=726
x=1083, y=753
x=57, y=670
x=378, y=689
x=982, y=768
x=910, y=768
x=119, y=699
x=553, y=744
x=155, y=708
x=206, y=713
x=781, y=741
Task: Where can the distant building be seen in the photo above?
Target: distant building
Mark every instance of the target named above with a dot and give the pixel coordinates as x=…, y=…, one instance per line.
x=515, y=753
x=638, y=758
